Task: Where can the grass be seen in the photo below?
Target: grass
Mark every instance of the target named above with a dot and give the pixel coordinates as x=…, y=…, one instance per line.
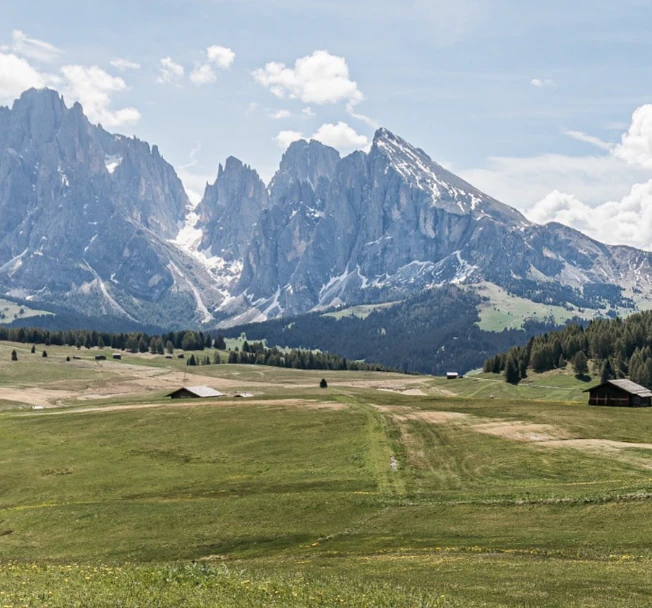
x=507, y=311
x=10, y=311
x=275, y=502
x=360, y=312
x=557, y=385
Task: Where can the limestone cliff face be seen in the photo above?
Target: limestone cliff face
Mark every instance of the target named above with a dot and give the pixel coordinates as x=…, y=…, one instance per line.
x=86, y=215
x=91, y=221
x=230, y=210
x=387, y=224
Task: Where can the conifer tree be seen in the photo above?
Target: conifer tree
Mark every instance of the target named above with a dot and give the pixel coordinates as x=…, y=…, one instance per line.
x=512, y=374
x=580, y=364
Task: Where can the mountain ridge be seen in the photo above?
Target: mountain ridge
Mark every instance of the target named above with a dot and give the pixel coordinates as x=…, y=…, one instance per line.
x=101, y=223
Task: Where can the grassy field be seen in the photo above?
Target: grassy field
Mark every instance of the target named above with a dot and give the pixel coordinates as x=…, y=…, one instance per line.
x=115, y=496
x=507, y=311
x=9, y=311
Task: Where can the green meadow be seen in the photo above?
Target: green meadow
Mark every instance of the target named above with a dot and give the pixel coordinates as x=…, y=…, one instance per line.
x=114, y=495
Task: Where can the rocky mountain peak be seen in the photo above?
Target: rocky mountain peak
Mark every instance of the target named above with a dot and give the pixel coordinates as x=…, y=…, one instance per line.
x=229, y=210
x=307, y=161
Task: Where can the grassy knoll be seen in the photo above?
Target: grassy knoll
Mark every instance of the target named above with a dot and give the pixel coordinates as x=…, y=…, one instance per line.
x=289, y=499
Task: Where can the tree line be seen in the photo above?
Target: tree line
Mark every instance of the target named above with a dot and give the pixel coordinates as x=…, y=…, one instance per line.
x=619, y=348
x=136, y=342
x=255, y=353
x=432, y=333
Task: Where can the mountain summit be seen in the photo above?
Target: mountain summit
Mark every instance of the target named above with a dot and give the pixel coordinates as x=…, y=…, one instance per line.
x=100, y=224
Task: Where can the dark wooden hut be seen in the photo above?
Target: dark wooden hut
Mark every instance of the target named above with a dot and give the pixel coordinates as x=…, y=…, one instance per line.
x=195, y=392
x=620, y=393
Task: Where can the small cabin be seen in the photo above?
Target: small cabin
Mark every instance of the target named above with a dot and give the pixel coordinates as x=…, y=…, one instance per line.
x=117, y=356
x=100, y=357
x=452, y=375
x=620, y=393
x=195, y=392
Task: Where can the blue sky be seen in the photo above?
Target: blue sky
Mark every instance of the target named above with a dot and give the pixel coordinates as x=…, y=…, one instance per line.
x=529, y=101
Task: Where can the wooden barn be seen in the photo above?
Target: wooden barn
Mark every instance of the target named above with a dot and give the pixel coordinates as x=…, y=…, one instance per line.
x=620, y=393
x=195, y=392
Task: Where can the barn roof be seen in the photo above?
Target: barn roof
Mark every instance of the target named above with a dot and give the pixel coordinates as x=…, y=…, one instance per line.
x=199, y=391
x=626, y=385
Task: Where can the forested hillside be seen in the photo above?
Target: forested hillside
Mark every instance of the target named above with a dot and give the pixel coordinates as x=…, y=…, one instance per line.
x=618, y=348
x=432, y=333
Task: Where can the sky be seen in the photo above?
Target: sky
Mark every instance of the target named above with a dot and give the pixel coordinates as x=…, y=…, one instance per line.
x=544, y=106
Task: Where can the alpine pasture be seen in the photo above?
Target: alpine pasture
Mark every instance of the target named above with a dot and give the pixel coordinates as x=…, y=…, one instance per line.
x=381, y=490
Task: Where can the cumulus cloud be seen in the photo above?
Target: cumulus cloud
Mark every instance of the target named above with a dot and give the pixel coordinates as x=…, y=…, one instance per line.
x=320, y=78
x=280, y=114
x=203, y=74
x=124, y=64
x=636, y=144
x=572, y=190
x=218, y=57
x=221, y=56
x=169, y=71
x=38, y=50
x=285, y=138
x=17, y=75
x=541, y=84
x=523, y=181
x=624, y=222
x=340, y=136
x=93, y=88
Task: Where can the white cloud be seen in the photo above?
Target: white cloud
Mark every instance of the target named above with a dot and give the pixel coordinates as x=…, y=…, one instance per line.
x=522, y=182
x=280, y=114
x=124, y=64
x=17, y=75
x=540, y=84
x=193, y=183
x=285, y=138
x=624, y=222
x=350, y=108
x=203, y=74
x=169, y=71
x=636, y=144
x=308, y=112
x=93, y=88
x=340, y=136
x=32, y=48
x=320, y=78
x=589, y=139
x=572, y=190
x=218, y=57
x=221, y=56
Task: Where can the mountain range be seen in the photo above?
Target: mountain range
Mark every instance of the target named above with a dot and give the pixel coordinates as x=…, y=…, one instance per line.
x=100, y=225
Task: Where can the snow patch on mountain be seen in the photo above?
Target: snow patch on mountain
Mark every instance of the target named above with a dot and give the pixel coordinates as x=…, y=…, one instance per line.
x=112, y=162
